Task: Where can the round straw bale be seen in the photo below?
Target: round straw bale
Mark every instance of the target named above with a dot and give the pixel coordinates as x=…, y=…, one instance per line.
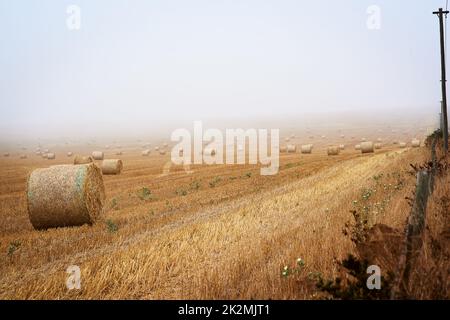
x=82, y=160
x=97, y=155
x=333, y=150
x=291, y=148
x=6, y=154
x=69, y=154
x=51, y=156
x=367, y=147
x=162, y=152
x=402, y=144
x=23, y=156
x=65, y=195
x=44, y=155
x=342, y=146
x=377, y=145
x=165, y=145
x=38, y=153
x=145, y=153
x=306, y=148
x=286, y=139
x=358, y=147
x=283, y=149
x=379, y=140
x=112, y=166
x=156, y=148
x=46, y=151
x=415, y=143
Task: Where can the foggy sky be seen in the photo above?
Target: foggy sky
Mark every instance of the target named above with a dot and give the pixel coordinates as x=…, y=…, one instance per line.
x=141, y=65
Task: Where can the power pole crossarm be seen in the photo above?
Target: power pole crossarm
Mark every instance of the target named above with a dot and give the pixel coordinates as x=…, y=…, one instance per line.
x=440, y=14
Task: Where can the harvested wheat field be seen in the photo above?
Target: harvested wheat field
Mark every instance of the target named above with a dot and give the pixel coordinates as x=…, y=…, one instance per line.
x=210, y=232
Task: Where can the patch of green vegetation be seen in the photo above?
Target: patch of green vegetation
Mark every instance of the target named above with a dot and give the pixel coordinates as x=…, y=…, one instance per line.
x=214, y=182
x=299, y=266
x=114, y=204
x=195, y=185
x=248, y=174
x=145, y=194
x=111, y=226
x=13, y=247
x=181, y=192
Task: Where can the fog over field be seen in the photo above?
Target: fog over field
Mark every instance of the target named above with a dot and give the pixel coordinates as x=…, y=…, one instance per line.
x=146, y=68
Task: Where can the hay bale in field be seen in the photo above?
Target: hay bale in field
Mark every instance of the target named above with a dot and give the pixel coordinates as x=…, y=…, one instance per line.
x=342, y=146
x=377, y=145
x=69, y=154
x=145, y=153
x=379, y=140
x=342, y=136
x=363, y=139
x=402, y=144
x=65, y=195
x=51, y=156
x=162, y=152
x=291, y=148
x=333, y=150
x=23, y=156
x=165, y=145
x=46, y=151
x=112, y=166
x=98, y=155
x=6, y=154
x=287, y=139
x=38, y=153
x=395, y=142
x=44, y=155
x=358, y=147
x=156, y=148
x=82, y=160
x=283, y=149
x=367, y=147
x=415, y=143
x=306, y=148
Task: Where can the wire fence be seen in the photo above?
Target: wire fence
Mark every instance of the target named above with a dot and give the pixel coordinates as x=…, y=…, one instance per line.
x=425, y=178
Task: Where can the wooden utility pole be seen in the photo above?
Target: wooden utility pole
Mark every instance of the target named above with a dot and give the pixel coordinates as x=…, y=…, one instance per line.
x=440, y=14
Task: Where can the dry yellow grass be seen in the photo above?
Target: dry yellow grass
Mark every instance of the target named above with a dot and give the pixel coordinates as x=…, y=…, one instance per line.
x=219, y=232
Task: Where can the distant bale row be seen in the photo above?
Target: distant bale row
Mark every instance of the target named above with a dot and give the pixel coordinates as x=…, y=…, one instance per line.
x=97, y=155
x=367, y=147
x=112, y=166
x=82, y=159
x=291, y=148
x=306, y=148
x=415, y=143
x=333, y=150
